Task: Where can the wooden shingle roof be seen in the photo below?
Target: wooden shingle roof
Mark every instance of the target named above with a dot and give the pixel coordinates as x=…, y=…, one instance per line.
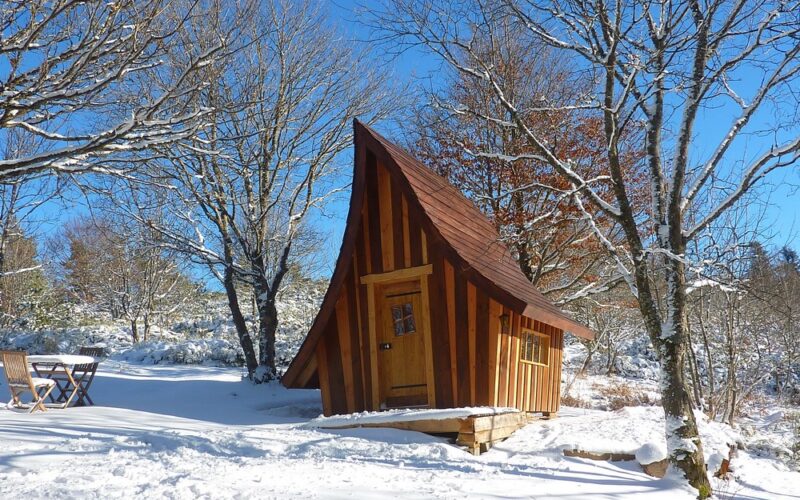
x=471, y=236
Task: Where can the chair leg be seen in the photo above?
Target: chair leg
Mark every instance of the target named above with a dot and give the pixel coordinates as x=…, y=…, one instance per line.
x=62, y=398
x=52, y=396
x=15, y=402
x=83, y=396
x=39, y=402
x=49, y=373
x=83, y=389
x=79, y=384
x=86, y=396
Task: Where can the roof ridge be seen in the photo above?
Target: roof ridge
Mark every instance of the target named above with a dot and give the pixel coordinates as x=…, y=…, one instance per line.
x=488, y=256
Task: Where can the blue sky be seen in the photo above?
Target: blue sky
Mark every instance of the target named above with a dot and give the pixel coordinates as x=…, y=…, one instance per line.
x=416, y=66
x=782, y=213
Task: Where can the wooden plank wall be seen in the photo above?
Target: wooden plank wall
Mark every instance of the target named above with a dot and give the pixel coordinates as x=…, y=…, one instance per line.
x=389, y=239
x=474, y=362
x=527, y=386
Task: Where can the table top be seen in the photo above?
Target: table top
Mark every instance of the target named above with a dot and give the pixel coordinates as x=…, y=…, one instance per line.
x=64, y=359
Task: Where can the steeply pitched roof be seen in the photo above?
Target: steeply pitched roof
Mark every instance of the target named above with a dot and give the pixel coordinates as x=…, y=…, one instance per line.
x=472, y=236
x=468, y=238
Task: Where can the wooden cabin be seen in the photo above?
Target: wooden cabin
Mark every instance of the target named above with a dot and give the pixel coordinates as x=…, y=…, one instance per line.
x=425, y=307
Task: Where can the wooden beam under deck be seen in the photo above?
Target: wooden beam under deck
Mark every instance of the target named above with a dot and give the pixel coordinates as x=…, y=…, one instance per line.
x=477, y=433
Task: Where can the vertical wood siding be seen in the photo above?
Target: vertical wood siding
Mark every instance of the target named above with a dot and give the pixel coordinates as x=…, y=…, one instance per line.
x=474, y=361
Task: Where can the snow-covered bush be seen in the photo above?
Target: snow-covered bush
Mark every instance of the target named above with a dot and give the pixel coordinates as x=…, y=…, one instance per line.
x=66, y=340
x=217, y=351
x=203, y=333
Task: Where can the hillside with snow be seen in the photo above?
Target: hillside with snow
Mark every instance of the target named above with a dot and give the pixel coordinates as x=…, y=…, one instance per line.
x=201, y=333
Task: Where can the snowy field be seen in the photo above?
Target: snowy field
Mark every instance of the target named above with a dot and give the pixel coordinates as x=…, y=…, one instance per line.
x=181, y=431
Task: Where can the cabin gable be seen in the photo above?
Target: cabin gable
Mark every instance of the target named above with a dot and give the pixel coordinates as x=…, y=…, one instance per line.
x=470, y=330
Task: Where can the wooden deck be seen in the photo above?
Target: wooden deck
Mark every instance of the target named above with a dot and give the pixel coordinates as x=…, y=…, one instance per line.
x=476, y=432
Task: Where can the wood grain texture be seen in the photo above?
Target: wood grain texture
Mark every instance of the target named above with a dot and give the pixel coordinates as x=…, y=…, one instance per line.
x=462, y=354
x=503, y=367
x=406, y=233
x=387, y=222
x=346, y=352
x=398, y=243
x=472, y=310
x=333, y=354
x=495, y=310
x=363, y=239
x=372, y=323
x=423, y=243
x=324, y=378
x=414, y=236
x=373, y=214
x=402, y=367
x=363, y=268
x=450, y=291
x=515, y=354
x=440, y=337
x=360, y=323
x=397, y=275
x=482, y=349
x=430, y=373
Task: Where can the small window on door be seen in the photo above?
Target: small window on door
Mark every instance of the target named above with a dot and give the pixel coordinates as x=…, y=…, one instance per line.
x=403, y=319
x=535, y=347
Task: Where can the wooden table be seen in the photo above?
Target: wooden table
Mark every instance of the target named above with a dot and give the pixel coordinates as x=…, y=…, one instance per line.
x=59, y=367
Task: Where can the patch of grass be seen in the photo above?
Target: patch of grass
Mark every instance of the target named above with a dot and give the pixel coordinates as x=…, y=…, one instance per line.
x=622, y=395
x=570, y=400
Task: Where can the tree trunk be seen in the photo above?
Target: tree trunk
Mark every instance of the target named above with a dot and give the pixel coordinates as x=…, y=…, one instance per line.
x=730, y=379
x=591, y=348
x=266, y=291
x=683, y=441
x=670, y=339
x=241, y=326
x=611, y=356
x=521, y=243
x=134, y=332
x=146, y=326
x=697, y=387
x=267, y=329
x=711, y=407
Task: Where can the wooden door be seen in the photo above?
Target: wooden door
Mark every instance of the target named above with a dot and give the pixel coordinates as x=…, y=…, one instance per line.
x=401, y=347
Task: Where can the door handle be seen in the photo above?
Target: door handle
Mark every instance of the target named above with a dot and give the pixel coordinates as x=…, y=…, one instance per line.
x=386, y=346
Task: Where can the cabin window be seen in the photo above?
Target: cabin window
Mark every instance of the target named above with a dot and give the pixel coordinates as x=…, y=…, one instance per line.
x=403, y=319
x=535, y=347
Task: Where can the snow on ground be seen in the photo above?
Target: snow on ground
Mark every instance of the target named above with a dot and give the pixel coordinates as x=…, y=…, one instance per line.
x=380, y=417
x=180, y=431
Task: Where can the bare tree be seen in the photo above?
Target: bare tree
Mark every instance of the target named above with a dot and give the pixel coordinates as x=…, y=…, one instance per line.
x=72, y=80
x=119, y=266
x=529, y=203
x=745, y=327
x=241, y=190
x=659, y=65
x=20, y=197
x=22, y=282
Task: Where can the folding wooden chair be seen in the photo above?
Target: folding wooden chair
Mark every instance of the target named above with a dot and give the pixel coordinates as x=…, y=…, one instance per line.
x=84, y=374
x=15, y=364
